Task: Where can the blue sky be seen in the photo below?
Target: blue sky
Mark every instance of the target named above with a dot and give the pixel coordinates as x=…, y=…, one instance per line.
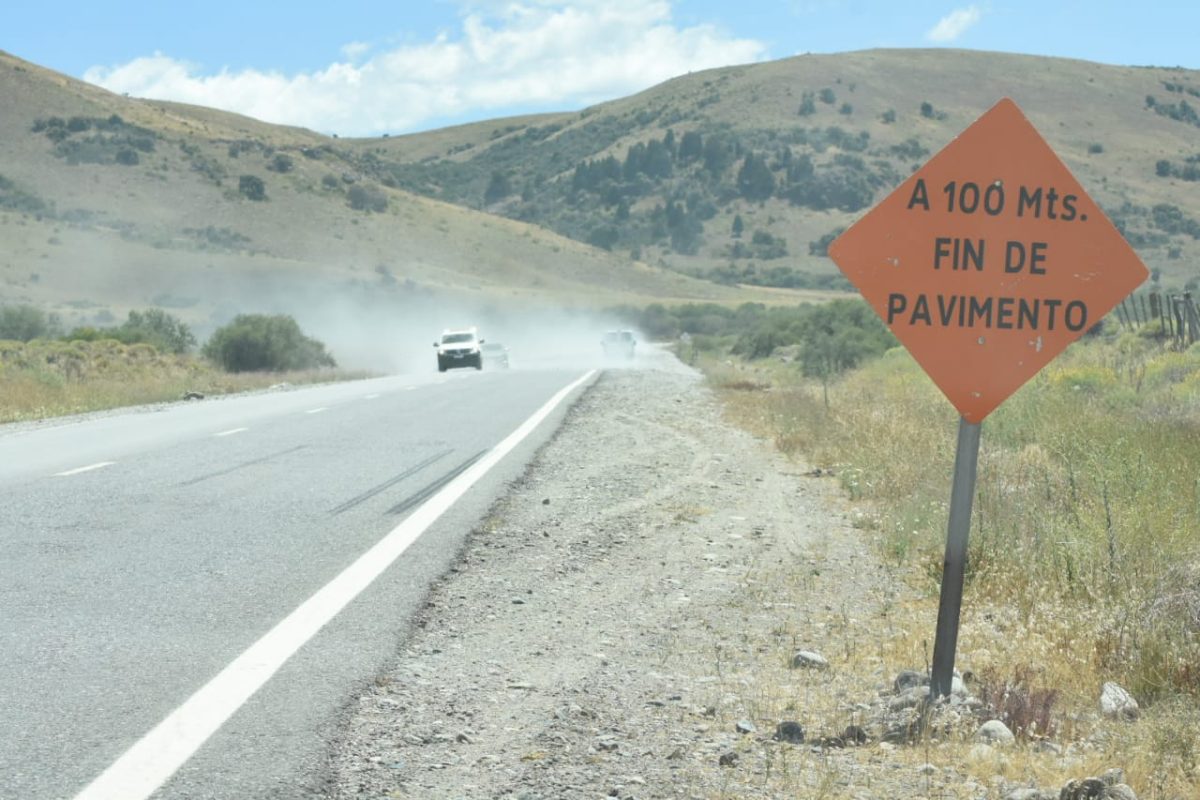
x=360, y=67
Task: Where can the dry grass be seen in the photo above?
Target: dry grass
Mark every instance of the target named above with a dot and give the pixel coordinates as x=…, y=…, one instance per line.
x=1084, y=564
x=43, y=379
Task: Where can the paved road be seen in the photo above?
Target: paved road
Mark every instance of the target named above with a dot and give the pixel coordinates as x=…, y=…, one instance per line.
x=142, y=552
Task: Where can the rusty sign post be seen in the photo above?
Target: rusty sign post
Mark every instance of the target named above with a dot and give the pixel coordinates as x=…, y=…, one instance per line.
x=985, y=263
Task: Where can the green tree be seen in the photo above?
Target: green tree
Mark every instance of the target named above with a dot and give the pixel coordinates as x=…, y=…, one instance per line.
x=270, y=343
x=154, y=326
x=839, y=335
x=754, y=180
x=498, y=188
x=691, y=146
x=738, y=226
x=25, y=323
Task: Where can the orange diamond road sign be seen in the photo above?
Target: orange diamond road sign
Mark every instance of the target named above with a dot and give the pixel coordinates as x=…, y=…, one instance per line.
x=988, y=261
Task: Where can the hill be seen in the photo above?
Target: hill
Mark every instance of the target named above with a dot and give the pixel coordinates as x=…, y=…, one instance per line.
x=702, y=188
x=109, y=203
x=796, y=149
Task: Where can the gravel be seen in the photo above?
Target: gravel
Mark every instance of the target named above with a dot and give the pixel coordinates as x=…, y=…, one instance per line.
x=623, y=625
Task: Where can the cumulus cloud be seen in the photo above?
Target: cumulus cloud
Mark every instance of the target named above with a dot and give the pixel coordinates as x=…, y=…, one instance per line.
x=954, y=24
x=517, y=54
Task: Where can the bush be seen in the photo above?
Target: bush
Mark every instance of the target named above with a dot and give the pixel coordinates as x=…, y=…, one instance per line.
x=280, y=163
x=25, y=323
x=258, y=342
x=252, y=187
x=363, y=198
x=154, y=326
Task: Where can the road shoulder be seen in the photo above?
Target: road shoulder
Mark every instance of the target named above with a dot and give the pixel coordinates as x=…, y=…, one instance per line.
x=624, y=622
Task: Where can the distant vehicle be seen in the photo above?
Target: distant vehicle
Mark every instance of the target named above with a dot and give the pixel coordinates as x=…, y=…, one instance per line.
x=495, y=355
x=459, y=348
x=618, y=344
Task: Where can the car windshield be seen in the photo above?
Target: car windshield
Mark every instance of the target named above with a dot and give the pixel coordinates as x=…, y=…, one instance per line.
x=453, y=338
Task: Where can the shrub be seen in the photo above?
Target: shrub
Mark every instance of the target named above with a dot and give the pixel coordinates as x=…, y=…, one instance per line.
x=154, y=326
x=252, y=187
x=365, y=198
x=280, y=163
x=25, y=323
x=260, y=342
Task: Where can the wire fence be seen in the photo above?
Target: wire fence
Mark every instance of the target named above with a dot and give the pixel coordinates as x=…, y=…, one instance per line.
x=1176, y=316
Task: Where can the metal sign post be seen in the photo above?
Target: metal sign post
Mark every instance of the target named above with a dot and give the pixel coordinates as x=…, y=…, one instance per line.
x=954, y=568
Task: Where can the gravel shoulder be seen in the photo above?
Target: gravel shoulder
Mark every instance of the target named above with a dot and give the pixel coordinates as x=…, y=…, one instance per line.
x=635, y=599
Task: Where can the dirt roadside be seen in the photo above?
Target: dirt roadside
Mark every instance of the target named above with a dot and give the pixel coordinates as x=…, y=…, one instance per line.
x=624, y=624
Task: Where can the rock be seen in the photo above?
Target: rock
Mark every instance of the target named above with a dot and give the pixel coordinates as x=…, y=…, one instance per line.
x=1047, y=746
x=545, y=501
x=728, y=759
x=1116, y=703
x=193, y=396
x=789, y=731
x=910, y=698
x=1111, y=777
x=607, y=745
x=996, y=733
x=1086, y=789
x=909, y=679
x=1119, y=791
x=807, y=659
x=1027, y=794
x=855, y=735
x=745, y=726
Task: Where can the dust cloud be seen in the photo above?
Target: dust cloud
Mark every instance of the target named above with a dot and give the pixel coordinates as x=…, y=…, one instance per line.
x=392, y=329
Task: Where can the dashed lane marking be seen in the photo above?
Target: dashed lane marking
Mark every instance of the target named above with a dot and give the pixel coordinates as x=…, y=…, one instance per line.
x=88, y=468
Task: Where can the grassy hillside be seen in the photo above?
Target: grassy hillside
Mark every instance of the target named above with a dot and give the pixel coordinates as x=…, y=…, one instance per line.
x=798, y=148
x=109, y=203
x=737, y=176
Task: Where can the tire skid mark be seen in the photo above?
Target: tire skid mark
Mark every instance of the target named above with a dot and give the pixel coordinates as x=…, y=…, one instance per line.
x=434, y=487
x=408, y=473
x=243, y=465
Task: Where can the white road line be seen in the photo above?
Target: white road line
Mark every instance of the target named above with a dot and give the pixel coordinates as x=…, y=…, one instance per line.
x=231, y=432
x=317, y=410
x=409, y=388
x=88, y=468
x=371, y=397
x=154, y=758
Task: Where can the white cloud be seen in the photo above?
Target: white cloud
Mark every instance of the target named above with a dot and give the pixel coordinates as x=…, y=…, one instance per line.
x=531, y=53
x=954, y=24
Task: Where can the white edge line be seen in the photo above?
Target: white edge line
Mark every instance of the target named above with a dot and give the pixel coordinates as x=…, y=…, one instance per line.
x=317, y=410
x=88, y=468
x=154, y=758
x=231, y=432
x=370, y=396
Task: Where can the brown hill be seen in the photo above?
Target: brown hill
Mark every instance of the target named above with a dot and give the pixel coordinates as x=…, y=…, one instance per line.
x=862, y=121
x=109, y=203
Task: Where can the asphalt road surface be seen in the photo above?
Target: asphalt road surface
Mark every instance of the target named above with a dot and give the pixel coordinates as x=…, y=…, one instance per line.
x=142, y=553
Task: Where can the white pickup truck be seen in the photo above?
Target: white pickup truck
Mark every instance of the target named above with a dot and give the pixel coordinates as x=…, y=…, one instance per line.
x=459, y=348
